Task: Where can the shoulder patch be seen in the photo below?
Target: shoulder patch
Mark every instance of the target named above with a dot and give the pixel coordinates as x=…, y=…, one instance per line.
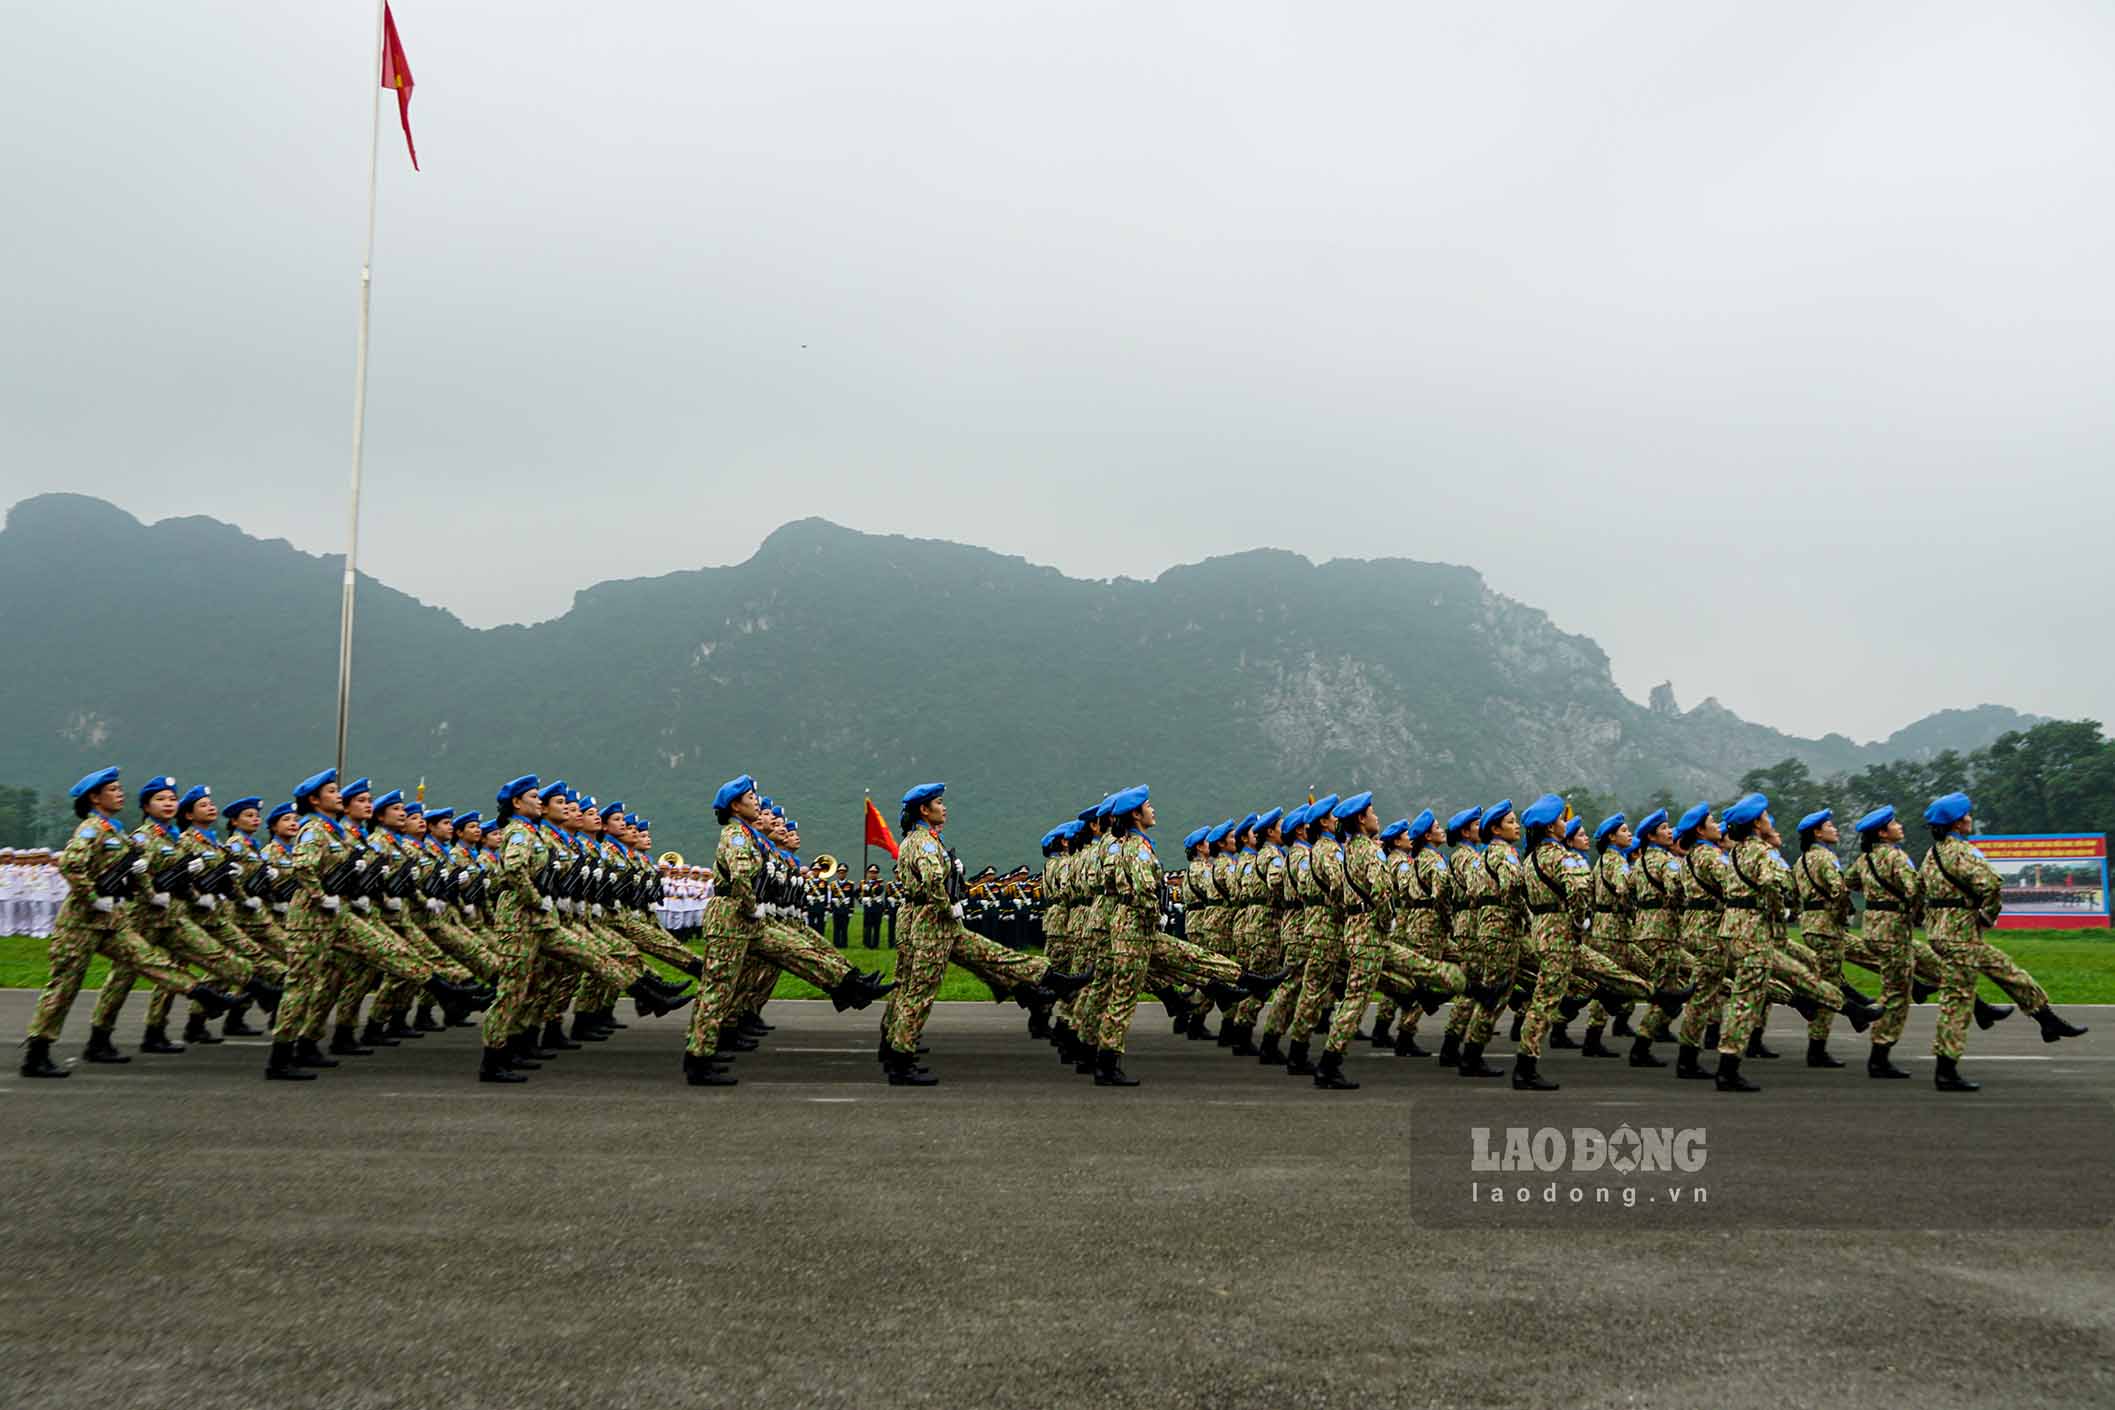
x=85, y=832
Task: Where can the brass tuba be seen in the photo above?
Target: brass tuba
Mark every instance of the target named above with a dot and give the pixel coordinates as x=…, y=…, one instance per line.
x=670, y=859
x=826, y=867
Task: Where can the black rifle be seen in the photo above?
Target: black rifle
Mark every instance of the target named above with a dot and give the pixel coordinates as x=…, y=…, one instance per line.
x=174, y=880
x=116, y=880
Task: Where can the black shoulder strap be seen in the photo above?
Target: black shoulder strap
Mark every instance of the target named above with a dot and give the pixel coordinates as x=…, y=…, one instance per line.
x=1872, y=869
x=1651, y=875
x=1535, y=860
x=1703, y=879
x=1938, y=856
x=1746, y=880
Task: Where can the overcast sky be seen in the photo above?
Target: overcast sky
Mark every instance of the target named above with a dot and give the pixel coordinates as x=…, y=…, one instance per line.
x=1767, y=344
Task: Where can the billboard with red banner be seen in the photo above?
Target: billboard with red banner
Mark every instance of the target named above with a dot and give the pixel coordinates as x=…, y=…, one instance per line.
x=2053, y=881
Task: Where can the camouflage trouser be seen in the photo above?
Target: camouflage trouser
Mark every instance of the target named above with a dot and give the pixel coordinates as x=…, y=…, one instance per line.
x=1493, y=961
x=265, y=932
x=1708, y=952
x=1178, y=961
x=186, y=941
x=1556, y=947
x=927, y=937
x=645, y=936
x=1826, y=946
x=759, y=981
x=1263, y=952
x=1326, y=953
x=1365, y=951
x=584, y=949
x=720, y=956
x=1297, y=927
x=1128, y=956
x=1461, y=943
x=1614, y=941
x=1889, y=948
x=1214, y=936
x=1090, y=950
x=800, y=952
x=1057, y=939
x=1754, y=964
x=307, y=972
x=362, y=950
x=72, y=946
x=471, y=949
x=1662, y=961
x=394, y=998
x=1406, y=974
x=1962, y=959
x=517, y=949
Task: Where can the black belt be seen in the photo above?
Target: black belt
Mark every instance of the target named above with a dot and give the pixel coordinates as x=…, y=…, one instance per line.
x=1894, y=907
x=1652, y=905
x=1705, y=906
x=1740, y=903
x=1936, y=905
x=1417, y=905
x=1536, y=910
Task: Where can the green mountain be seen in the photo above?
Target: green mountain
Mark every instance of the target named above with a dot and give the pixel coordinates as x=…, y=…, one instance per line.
x=834, y=661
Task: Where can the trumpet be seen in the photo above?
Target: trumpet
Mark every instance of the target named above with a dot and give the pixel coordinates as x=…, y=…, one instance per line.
x=670, y=859
x=826, y=867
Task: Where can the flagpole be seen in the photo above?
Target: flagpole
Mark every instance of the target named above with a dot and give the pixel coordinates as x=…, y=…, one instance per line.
x=352, y=527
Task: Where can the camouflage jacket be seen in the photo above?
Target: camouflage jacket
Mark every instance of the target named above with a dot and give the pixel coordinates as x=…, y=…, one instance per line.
x=1421, y=883
x=1757, y=887
x=322, y=845
x=1891, y=885
x=1615, y=899
x=1824, y=893
x=517, y=905
x=1963, y=894
x=1368, y=885
x=96, y=844
x=1559, y=886
x=1705, y=874
x=1656, y=894
x=161, y=844
x=1465, y=865
x=1501, y=893
x=1298, y=857
x=1134, y=880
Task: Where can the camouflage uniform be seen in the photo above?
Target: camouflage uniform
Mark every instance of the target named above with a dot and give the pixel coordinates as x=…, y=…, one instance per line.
x=1615, y=908
x=1705, y=875
x=1257, y=940
x=1092, y=916
x=1465, y=873
x=81, y=931
x=726, y=929
x=1657, y=893
x=1057, y=911
x=353, y=947
x=1962, y=898
x=1500, y=890
x=1320, y=883
x=929, y=934
x=1887, y=945
x=1559, y=886
x=1758, y=890
x=1423, y=888
x=1282, y=879
x=171, y=929
x=1824, y=922
x=1137, y=945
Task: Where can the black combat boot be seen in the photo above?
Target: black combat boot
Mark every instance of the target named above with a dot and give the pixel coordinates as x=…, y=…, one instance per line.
x=1948, y=1078
x=733, y=1040
x=1688, y=1063
x=1818, y=1054
x=456, y=1000
x=1729, y=1078
x=1259, y=986
x=1268, y=1053
x=1860, y=1016
x=36, y=1060
x=699, y=1070
x=1920, y=992
x=904, y=1071
x=1594, y=1047
x=281, y=1067
x=1109, y=1070
x=423, y=1019
x=1039, y=1024
x=652, y=999
x=1711, y=1035
x=851, y=991
x=1519, y=1019
x=307, y=1054
x=1619, y=1024
x=1064, y=985
x=1329, y=1074
x=195, y=1031
x=586, y=1029
x=1881, y=1062
x=1450, y=1049
x=1988, y=1014
x=1296, y=1063
x=554, y=1037
x=751, y=1023
x=2054, y=1026
x=1381, y=1038
x=1526, y=1078
x=1561, y=1036
x=400, y=1029
x=154, y=1038
x=265, y=993
x=1641, y=1053
x=376, y=1034
x=344, y=1042
x=1244, y=1044
x=1473, y=1065
x=236, y=1027
x=494, y=1066
x=1228, y=1031
x=101, y=1049
x=1197, y=1030
x=1756, y=1048
x=1853, y=994
x=1406, y=1044
x=1670, y=1001
x=521, y=1051
x=211, y=1000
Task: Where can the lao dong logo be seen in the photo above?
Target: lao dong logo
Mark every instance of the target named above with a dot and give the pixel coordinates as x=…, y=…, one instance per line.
x=1585, y=1150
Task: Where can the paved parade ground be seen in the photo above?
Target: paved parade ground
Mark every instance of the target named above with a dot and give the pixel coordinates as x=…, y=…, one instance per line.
x=181, y=1233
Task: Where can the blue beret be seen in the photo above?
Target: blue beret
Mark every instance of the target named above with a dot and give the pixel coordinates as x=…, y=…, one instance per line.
x=196, y=793
x=394, y=795
x=1297, y=818
x=1072, y=829
x=513, y=788
x=554, y=789
x=1422, y=823
x=585, y=800
x=240, y=804
x=1088, y=814
x=357, y=787
x=308, y=786
x=1945, y=812
x=609, y=808
x=1322, y=807
x=1395, y=829
x=1264, y=820
x=1129, y=801
x=778, y=810
x=415, y=808
x=1632, y=849
x=160, y=783
x=1571, y=829
x=731, y=790
x=1545, y=809
x=1462, y=819
x=279, y=810
x=473, y=816
x=791, y=826
x=1191, y=839
x=1494, y=813
x=1354, y=805
x=1878, y=818
x=1608, y=825
x=1750, y=807
x=1651, y=820
x=923, y=793
x=1814, y=820
x=646, y=825
x=92, y=782
x=765, y=802
x=1101, y=809
x=1048, y=838
x=1241, y=828
x=1692, y=820
x=1216, y=834
x=434, y=815
x=634, y=820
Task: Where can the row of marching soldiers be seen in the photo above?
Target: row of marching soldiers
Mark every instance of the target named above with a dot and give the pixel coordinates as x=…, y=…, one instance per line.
x=1496, y=905
x=310, y=908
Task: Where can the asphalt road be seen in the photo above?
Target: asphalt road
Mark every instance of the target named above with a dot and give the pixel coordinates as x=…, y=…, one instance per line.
x=181, y=1233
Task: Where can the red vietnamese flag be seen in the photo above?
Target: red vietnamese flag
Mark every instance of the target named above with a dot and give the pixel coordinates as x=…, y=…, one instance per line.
x=396, y=74
x=878, y=834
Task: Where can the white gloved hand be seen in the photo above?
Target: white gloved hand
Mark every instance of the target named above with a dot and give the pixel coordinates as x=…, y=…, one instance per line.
x=433, y=906
x=252, y=903
x=596, y=909
x=392, y=904
x=207, y=903
x=105, y=905
x=159, y=900
x=139, y=868
x=281, y=907
x=331, y=904
x=957, y=909
x=360, y=865
x=545, y=903
x=363, y=905
x=271, y=873
x=194, y=866
x=756, y=912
